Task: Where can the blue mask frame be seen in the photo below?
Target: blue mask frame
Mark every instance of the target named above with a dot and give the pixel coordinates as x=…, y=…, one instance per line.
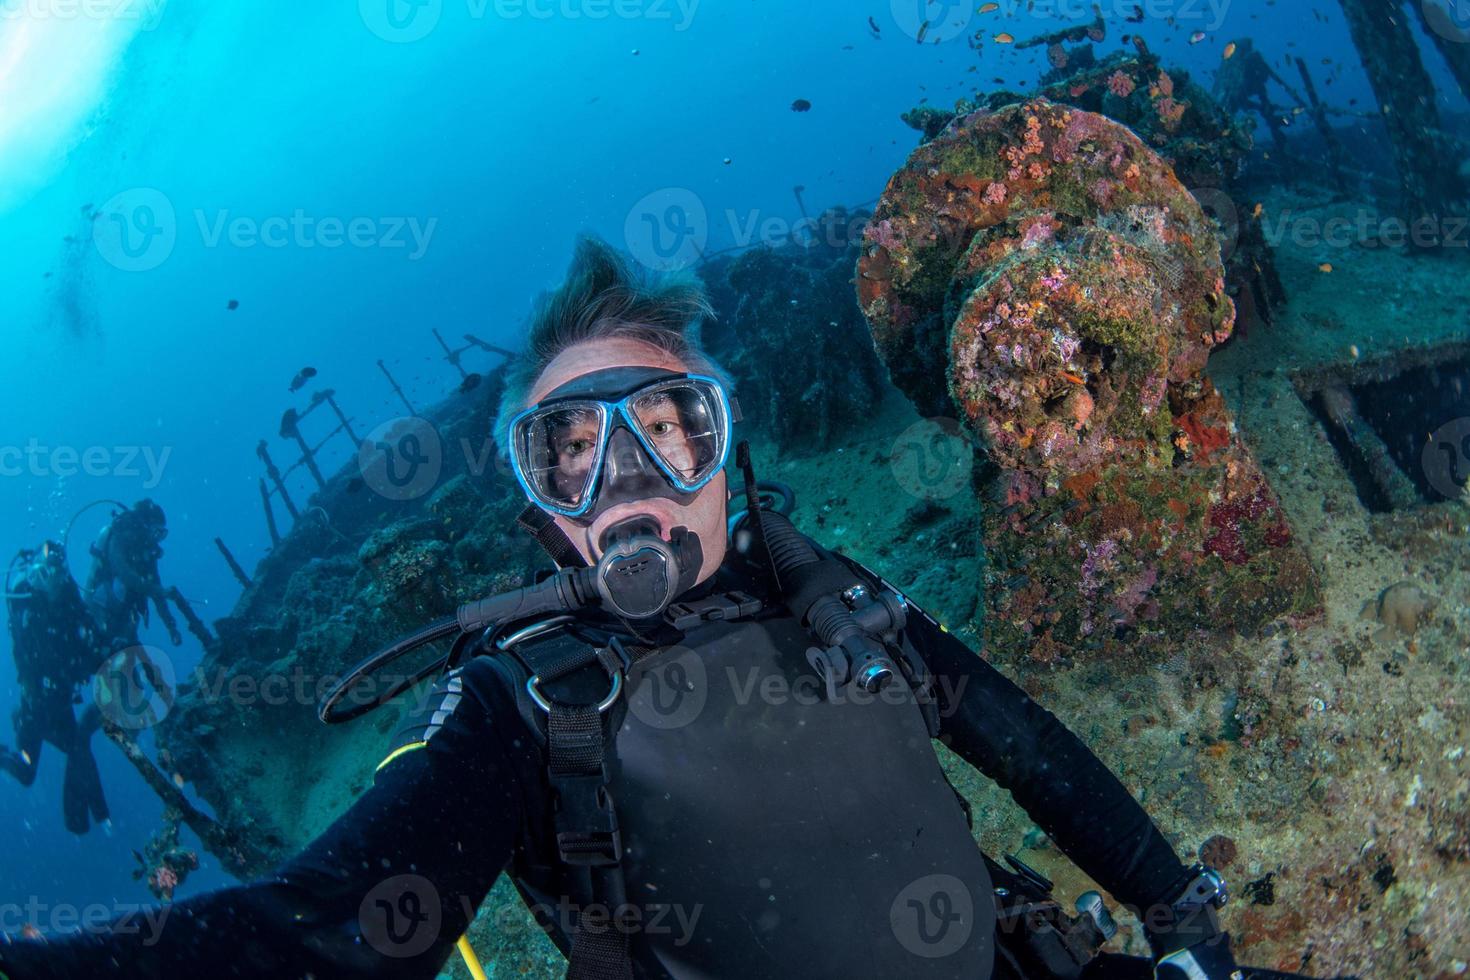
x=611, y=415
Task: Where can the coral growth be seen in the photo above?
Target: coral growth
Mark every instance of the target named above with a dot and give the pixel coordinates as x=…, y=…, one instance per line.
x=1071, y=315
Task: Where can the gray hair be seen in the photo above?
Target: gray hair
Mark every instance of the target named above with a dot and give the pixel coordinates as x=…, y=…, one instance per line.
x=603, y=297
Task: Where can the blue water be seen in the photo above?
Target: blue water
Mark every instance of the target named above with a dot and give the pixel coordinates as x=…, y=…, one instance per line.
x=498, y=134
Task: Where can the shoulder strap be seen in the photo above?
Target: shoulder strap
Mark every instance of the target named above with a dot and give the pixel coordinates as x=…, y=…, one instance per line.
x=578, y=737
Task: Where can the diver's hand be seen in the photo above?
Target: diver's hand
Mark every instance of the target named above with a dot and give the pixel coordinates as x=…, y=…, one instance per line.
x=174, y=636
x=1208, y=960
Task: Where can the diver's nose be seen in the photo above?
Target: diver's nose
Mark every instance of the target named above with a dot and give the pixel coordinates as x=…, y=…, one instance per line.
x=628, y=470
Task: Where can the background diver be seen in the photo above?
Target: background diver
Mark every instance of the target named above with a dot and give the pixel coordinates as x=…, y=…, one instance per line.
x=653, y=776
x=56, y=650
x=124, y=578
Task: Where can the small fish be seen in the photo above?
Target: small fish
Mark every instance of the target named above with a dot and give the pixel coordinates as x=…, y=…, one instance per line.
x=1196, y=37
x=728, y=161
x=1004, y=38
x=1230, y=51
x=1259, y=210
x=873, y=26
x=1137, y=16
x=801, y=105
x=233, y=304
x=923, y=32
x=29, y=931
x=989, y=8
x=1073, y=378
x=302, y=377
x=1325, y=267
x=179, y=780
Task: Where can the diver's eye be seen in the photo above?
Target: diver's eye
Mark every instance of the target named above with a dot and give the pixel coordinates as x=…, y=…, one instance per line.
x=576, y=447
x=663, y=427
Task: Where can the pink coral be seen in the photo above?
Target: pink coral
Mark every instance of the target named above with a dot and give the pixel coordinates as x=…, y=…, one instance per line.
x=163, y=881
x=1121, y=85
x=995, y=193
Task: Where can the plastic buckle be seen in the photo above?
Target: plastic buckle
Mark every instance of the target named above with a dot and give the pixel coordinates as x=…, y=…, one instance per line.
x=727, y=605
x=587, y=831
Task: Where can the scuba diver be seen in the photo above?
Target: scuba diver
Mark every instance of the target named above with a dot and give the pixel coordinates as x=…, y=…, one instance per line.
x=701, y=746
x=56, y=649
x=124, y=576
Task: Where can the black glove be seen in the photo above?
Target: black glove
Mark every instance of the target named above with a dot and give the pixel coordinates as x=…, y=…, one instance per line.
x=1208, y=960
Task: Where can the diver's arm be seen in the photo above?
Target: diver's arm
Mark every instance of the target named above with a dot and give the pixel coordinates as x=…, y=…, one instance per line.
x=384, y=892
x=1060, y=783
x=144, y=583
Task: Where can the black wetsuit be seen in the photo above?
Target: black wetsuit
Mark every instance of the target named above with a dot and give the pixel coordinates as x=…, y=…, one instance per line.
x=768, y=832
x=56, y=649
x=124, y=579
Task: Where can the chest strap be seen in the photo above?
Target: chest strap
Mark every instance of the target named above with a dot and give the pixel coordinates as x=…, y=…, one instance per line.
x=578, y=737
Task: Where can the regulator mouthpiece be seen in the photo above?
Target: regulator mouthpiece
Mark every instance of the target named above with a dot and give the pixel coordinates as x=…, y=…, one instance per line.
x=639, y=573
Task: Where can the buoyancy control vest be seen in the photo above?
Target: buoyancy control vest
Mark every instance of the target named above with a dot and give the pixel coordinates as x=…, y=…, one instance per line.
x=710, y=809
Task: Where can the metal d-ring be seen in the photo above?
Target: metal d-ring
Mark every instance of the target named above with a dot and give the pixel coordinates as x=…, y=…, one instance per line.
x=532, y=629
x=607, y=702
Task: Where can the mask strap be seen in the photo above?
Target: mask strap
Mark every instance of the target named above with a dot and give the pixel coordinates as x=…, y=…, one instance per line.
x=552, y=539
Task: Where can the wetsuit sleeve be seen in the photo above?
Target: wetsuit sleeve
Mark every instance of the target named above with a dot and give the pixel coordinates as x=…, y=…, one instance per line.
x=1061, y=784
x=384, y=892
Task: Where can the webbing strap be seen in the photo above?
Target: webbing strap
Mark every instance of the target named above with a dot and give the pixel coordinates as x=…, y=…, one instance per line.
x=550, y=537
x=586, y=822
x=600, y=953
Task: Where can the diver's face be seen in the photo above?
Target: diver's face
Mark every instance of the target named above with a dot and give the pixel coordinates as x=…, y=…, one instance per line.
x=705, y=515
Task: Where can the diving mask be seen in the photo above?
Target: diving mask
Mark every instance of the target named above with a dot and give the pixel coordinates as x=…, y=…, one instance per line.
x=621, y=434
